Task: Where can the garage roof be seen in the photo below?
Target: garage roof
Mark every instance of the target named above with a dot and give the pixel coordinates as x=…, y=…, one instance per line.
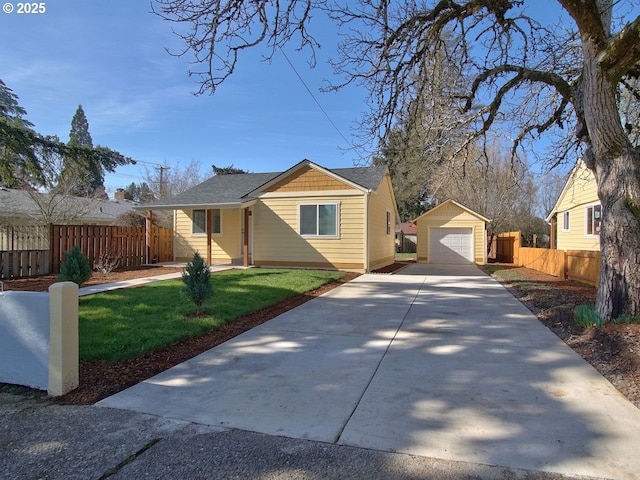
x=434, y=210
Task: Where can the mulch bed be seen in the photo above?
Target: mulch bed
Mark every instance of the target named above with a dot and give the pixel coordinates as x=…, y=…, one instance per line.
x=613, y=350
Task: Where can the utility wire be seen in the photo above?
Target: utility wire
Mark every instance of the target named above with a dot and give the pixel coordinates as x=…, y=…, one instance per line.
x=314, y=98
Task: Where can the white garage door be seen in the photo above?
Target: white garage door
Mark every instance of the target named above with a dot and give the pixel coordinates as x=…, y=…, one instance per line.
x=451, y=245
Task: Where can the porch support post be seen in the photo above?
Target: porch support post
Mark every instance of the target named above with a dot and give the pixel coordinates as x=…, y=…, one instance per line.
x=149, y=236
x=553, y=232
x=245, y=240
x=209, y=236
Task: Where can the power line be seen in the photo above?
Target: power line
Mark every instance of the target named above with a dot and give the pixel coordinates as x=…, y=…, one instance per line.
x=315, y=99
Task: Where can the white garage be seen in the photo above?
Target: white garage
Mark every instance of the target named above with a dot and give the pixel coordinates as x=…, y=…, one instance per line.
x=451, y=233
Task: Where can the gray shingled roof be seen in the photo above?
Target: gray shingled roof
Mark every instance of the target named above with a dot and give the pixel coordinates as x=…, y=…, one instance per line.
x=19, y=204
x=233, y=189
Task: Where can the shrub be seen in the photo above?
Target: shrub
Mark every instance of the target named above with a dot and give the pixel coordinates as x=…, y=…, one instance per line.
x=197, y=280
x=76, y=268
x=586, y=316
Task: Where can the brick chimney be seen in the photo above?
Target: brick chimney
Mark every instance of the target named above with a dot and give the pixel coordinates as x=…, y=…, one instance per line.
x=121, y=194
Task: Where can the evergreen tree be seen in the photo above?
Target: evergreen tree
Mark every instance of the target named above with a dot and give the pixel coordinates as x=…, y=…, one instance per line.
x=229, y=170
x=19, y=143
x=139, y=192
x=28, y=159
x=79, y=134
x=82, y=171
x=76, y=268
x=197, y=281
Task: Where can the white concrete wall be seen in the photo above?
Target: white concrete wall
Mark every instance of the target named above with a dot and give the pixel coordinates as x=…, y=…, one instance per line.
x=39, y=338
x=24, y=338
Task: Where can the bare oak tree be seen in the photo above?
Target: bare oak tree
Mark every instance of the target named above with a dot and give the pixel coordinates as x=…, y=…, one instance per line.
x=529, y=78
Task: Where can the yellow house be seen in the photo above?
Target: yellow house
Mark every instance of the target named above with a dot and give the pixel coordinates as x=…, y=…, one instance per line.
x=575, y=218
x=307, y=216
x=452, y=234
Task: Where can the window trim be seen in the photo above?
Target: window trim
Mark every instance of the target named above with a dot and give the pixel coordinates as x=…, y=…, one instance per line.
x=566, y=221
x=317, y=234
x=590, y=219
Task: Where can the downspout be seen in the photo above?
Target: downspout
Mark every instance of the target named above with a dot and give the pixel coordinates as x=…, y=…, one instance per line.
x=366, y=231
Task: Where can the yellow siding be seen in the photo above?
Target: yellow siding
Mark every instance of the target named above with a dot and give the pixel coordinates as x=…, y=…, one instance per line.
x=451, y=216
x=308, y=179
x=381, y=245
x=277, y=241
x=580, y=193
x=224, y=247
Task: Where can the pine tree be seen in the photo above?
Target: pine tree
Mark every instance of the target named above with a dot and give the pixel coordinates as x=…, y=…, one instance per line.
x=18, y=142
x=197, y=280
x=76, y=268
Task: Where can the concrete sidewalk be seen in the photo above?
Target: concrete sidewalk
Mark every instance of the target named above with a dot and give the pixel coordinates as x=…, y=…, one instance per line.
x=105, y=287
x=438, y=363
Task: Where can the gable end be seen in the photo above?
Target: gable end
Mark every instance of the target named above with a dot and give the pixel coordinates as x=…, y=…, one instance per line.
x=307, y=179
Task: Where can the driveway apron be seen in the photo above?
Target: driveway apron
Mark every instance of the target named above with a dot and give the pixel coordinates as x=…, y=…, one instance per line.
x=436, y=361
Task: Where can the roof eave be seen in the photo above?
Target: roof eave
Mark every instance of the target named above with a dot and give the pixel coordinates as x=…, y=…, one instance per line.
x=189, y=206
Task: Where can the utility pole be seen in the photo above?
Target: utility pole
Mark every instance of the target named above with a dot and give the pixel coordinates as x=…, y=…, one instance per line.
x=161, y=186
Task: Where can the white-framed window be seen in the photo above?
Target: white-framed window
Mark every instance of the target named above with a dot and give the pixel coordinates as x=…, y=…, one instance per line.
x=199, y=222
x=565, y=221
x=319, y=219
x=593, y=219
x=388, y=223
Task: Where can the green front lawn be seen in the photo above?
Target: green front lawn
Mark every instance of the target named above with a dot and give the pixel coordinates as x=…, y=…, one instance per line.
x=129, y=322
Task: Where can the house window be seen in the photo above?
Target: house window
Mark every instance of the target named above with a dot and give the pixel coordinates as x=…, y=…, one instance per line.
x=199, y=225
x=388, y=223
x=594, y=217
x=216, y=221
x=319, y=220
x=199, y=220
x=565, y=221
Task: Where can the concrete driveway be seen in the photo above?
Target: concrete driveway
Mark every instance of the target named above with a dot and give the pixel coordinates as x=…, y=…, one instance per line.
x=438, y=362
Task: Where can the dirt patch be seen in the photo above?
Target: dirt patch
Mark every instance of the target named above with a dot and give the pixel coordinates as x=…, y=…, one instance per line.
x=613, y=350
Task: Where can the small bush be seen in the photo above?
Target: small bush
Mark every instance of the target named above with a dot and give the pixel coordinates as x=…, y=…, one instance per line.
x=586, y=316
x=197, y=280
x=76, y=269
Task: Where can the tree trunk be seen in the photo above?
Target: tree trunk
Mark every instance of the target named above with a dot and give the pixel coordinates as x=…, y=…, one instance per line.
x=619, y=285
x=616, y=166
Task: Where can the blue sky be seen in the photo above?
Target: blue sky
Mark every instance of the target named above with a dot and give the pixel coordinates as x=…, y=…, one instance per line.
x=110, y=57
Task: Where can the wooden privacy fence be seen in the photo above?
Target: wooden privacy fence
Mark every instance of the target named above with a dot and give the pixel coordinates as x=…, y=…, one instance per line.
x=544, y=260
x=23, y=237
x=24, y=263
x=117, y=246
x=126, y=245
x=582, y=265
x=507, y=247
